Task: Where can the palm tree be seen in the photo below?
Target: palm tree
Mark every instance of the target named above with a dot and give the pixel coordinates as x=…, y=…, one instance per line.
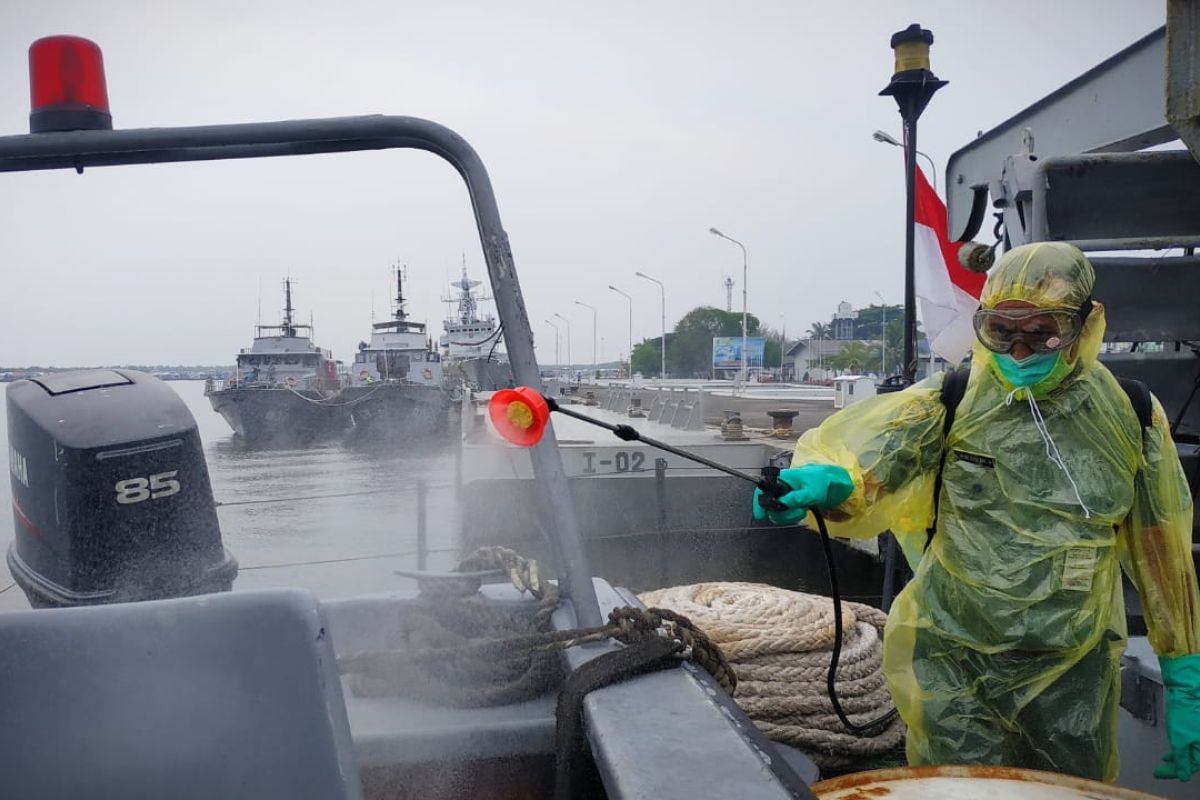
x=853, y=357
x=820, y=331
x=894, y=339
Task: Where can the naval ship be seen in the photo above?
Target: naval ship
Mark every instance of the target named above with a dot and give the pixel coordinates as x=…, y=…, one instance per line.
x=396, y=390
x=284, y=390
x=471, y=343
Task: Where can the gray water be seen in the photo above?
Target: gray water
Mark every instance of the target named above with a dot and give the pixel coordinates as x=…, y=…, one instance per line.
x=333, y=546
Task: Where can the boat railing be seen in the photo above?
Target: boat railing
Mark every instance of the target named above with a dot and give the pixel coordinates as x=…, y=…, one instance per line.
x=212, y=385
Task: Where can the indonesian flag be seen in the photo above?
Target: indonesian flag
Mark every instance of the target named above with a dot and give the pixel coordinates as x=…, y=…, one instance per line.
x=948, y=293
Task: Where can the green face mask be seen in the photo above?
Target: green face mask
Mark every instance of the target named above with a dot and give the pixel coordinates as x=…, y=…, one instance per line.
x=1030, y=371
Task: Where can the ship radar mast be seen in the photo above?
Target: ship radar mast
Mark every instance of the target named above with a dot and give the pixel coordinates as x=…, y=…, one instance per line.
x=289, y=328
x=400, y=314
x=467, y=299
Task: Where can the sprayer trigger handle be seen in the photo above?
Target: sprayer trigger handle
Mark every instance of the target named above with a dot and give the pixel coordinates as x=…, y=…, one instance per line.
x=772, y=489
x=771, y=503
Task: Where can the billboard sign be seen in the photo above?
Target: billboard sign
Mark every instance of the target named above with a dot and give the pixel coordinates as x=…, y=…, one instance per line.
x=727, y=352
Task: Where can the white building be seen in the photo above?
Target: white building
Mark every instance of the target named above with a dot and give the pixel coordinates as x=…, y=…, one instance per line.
x=849, y=389
x=811, y=357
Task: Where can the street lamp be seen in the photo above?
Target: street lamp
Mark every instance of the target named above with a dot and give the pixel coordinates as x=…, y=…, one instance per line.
x=663, y=289
x=745, y=355
x=887, y=138
x=557, y=363
x=912, y=85
x=594, y=315
x=882, y=335
x=782, y=343
x=630, y=351
x=570, y=363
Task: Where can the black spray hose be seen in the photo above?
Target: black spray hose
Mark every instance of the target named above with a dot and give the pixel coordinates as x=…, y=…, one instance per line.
x=876, y=725
x=772, y=489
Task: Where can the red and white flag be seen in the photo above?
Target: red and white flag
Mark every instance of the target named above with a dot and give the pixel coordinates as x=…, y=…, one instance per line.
x=948, y=293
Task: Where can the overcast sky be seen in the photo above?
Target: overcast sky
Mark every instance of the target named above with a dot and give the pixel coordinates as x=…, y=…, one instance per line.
x=615, y=133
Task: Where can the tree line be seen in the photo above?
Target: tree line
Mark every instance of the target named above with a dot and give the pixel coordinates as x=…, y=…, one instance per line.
x=689, y=346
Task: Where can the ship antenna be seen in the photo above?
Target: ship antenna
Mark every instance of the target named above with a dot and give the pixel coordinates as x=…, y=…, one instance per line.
x=287, y=310
x=400, y=271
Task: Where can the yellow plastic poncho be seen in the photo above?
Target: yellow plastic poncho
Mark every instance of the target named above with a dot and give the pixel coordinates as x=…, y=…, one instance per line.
x=1004, y=647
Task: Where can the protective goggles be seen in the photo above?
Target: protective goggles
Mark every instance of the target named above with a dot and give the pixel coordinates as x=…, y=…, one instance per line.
x=1042, y=330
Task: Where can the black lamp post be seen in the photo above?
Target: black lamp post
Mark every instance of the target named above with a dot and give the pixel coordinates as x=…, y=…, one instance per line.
x=912, y=85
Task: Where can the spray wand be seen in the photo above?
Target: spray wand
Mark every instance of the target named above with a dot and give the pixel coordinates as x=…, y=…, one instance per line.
x=521, y=415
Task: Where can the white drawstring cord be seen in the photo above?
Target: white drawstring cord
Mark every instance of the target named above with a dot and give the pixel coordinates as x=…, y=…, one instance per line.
x=1052, y=453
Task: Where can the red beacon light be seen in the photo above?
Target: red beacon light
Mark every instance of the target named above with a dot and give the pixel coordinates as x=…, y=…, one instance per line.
x=66, y=86
x=520, y=415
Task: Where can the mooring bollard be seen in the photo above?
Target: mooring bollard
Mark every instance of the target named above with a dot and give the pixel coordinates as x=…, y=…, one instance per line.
x=781, y=423
x=731, y=428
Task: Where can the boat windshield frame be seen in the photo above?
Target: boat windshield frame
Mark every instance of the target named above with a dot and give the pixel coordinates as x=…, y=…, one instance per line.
x=80, y=150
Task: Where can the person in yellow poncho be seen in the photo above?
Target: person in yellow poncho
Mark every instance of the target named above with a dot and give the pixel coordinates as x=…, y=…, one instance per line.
x=1005, y=646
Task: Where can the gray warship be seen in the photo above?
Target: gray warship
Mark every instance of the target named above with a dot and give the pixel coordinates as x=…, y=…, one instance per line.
x=284, y=389
x=395, y=392
x=471, y=342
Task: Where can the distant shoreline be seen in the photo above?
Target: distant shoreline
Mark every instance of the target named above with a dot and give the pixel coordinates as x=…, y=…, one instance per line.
x=172, y=372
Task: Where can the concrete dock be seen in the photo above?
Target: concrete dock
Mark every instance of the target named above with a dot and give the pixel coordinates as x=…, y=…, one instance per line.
x=752, y=402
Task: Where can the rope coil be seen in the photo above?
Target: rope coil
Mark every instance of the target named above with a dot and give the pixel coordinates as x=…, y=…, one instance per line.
x=458, y=650
x=779, y=645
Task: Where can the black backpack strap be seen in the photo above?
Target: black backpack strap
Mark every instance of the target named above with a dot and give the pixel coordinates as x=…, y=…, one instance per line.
x=954, y=386
x=1139, y=398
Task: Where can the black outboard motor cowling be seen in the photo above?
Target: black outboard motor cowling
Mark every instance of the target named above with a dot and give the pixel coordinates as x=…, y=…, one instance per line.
x=111, y=497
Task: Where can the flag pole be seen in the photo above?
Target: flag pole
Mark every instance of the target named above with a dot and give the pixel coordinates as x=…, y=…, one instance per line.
x=912, y=86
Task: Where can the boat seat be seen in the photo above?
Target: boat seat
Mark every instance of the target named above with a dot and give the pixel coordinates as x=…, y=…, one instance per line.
x=228, y=695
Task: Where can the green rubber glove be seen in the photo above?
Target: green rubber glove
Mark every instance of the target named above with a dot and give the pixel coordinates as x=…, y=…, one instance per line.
x=1181, y=678
x=820, y=486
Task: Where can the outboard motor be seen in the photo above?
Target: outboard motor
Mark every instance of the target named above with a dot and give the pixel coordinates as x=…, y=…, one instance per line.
x=111, y=497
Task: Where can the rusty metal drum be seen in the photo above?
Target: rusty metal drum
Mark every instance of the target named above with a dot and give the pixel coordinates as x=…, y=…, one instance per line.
x=968, y=783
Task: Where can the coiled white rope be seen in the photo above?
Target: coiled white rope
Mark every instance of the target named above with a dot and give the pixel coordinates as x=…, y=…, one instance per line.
x=779, y=644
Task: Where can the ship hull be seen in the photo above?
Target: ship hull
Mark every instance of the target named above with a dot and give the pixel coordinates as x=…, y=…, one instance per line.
x=280, y=417
x=482, y=375
x=391, y=414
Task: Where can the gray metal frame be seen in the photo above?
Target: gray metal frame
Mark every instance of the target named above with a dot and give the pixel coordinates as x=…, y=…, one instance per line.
x=1111, y=201
x=80, y=150
x=1106, y=109
x=1135, y=290
x=1183, y=71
